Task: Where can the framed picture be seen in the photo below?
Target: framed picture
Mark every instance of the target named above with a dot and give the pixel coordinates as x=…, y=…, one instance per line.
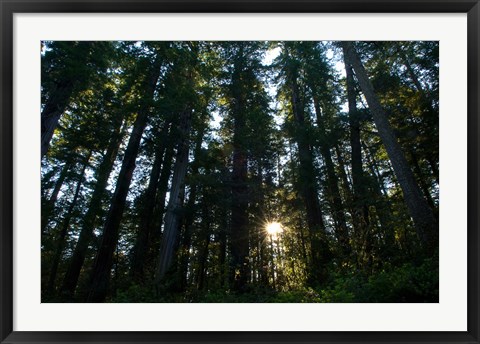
x=241, y=171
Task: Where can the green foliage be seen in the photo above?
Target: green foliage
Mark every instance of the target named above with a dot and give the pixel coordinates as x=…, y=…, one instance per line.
x=135, y=294
x=405, y=283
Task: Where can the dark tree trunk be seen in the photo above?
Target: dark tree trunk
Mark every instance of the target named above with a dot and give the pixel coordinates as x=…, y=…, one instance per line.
x=48, y=208
x=159, y=209
x=72, y=275
x=204, y=249
x=434, y=167
x=163, y=188
x=222, y=237
x=261, y=231
x=175, y=203
x=184, y=253
x=145, y=232
x=53, y=110
x=59, y=183
x=240, y=197
x=374, y=169
x=425, y=221
x=64, y=229
x=333, y=191
x=411, y=73
x=103, y=262
x=239, y=231
x=421, y=179
x=360, y=194
x=345, y=180
x=379, y=200
x=186, y=241
x=320, y=250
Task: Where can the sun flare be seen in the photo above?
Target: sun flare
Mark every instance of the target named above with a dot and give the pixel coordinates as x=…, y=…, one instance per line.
x=273, y=228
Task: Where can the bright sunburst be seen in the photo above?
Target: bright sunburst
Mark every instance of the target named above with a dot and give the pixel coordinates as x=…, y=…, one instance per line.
x=273, y=228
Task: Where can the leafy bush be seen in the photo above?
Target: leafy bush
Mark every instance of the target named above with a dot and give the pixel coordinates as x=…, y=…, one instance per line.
x=406, y=283
x=135, y=294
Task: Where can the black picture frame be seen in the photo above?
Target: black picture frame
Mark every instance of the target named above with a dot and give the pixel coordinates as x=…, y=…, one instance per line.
x=10, y=7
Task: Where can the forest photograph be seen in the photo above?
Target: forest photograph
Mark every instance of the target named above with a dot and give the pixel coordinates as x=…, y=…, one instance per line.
x=239, y=171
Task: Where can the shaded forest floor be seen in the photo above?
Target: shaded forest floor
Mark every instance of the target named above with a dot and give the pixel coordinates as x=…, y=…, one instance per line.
x=407, y=283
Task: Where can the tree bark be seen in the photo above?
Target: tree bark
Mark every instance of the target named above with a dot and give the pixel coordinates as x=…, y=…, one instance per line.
x=360, y=200
x=184, y=253
x=206, y=221
x=222, y=237
x=320, y=250
x=145, y=232
x=425, y=222
x=48, y=208
x=383, y=208
x=345, y=180
x=159, y=209
x=421, y=179
x=261, y=235
x=333, y=197
x=240, y=197
x=175, y=203
x=52, y=111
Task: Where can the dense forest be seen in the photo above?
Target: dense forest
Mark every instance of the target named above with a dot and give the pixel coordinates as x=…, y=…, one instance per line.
x=239, y=171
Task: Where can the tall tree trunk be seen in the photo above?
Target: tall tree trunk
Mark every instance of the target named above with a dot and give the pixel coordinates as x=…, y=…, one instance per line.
x=72, y=275
x=421, y=179
x=239, y=223
x=261, y=232
x=206, y=221
x=64, y=229
x=425, y=222
x=222, y=237
x=172, y=216
x=184, y=253
x=333, y=197
x=379, y=200
x=320, y=250
x=162, y=191
x=186, y=241
x=345, y=180
x=103, y=262
x=361, y=216
x=375, y=169
x=141, y=248
x=411, y=73
x=53, y=110
x=151, y=258
x=48, y=208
